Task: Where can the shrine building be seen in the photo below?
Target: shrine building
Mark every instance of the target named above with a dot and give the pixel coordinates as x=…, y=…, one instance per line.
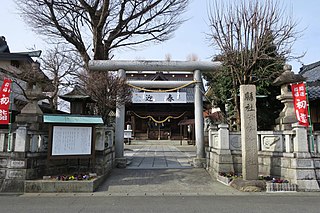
x=162, y=105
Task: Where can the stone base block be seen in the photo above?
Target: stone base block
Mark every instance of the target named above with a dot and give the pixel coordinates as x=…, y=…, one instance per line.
x=308, y=185
x=12, y=185
x=199, y=162
x=228, y=168
x=29, y=118
x=121, y=162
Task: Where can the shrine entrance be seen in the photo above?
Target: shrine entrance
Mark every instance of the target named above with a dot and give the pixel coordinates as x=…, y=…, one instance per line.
x=161, y=100
x=193, y=68
x=156, y=125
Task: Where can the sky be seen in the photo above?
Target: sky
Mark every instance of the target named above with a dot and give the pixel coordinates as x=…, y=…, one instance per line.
x=189, y=39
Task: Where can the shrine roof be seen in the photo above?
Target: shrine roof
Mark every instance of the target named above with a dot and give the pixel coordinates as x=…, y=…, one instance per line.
x=314, y=90
x=15, y=56
x=76, y=94
x=312, y=74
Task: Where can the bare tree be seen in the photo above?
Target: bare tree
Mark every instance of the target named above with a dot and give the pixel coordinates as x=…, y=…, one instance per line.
x=103, y=25
x=252, y=36
x=95, y=28
x=61, y=66
x=107, y=89
x=192, y=57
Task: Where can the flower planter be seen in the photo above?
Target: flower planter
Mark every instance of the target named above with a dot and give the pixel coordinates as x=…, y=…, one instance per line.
x=224, y=180
x=56, y=186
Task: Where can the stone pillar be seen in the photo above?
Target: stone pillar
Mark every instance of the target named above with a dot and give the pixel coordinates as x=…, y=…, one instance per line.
x=101, y=142
x=2, y=142
x=248, y=114
x=223, y=137
x=302, y=167
x=198, y=119
x=211, y=134
x=119, y=131
x=104, y=155
x=300, y=141
x=224, y=159
x=21, y=139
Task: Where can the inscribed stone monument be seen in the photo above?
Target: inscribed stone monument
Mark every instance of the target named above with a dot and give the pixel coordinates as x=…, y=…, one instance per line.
x=249, y=132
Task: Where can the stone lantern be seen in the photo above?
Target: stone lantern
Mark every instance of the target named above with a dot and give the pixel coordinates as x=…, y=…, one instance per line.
x=31, y=113
x=78, y=99
x=287, y=116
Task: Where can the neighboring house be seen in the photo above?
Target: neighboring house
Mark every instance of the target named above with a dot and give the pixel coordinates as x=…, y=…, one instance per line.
x=312, y=74
x=161, y=115
x=22, y=69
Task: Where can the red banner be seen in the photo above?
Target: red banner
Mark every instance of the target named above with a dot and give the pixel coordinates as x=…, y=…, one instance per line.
x=300, y=103
x=5, y=101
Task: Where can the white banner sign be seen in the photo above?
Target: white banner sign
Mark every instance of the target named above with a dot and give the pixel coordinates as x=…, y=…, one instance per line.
x=159, y=97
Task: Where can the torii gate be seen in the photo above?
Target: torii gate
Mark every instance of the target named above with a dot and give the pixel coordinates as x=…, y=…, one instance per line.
x=171, y=66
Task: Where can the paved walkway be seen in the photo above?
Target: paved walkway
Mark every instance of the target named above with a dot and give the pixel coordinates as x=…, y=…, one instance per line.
x=161, y=169
x=163, y=182
x=158, y=157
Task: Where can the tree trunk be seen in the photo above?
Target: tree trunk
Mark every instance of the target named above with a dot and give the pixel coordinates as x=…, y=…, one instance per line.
x=236, y=101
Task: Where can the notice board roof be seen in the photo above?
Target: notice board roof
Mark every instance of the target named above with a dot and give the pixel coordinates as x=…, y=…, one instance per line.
x=72, y=119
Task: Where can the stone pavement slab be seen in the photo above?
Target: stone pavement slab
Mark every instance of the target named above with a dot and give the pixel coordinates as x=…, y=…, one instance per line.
x=161, y=182
x=161, y=169
x=158, y=157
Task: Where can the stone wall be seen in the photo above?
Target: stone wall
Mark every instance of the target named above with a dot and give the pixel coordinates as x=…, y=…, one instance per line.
x=22, y=157
x=282, y=154
x=105, y=153
x=27, y=158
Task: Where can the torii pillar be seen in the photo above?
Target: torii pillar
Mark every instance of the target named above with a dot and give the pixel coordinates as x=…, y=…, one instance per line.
x=200, y=160
x=121, y=161
x=174, y=66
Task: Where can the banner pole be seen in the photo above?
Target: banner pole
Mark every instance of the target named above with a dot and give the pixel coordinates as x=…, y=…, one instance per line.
x=310, y=121
x=9, y=148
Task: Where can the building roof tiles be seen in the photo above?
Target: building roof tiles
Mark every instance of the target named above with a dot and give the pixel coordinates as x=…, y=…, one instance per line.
x=312, y=74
